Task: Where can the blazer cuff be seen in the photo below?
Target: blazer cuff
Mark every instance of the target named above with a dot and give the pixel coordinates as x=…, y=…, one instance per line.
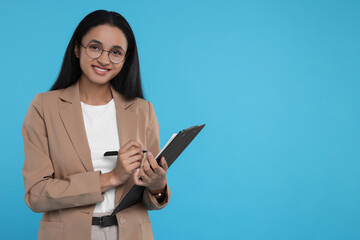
x=151, y=203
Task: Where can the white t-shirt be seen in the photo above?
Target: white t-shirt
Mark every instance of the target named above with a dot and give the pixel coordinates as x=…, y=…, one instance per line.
x=102, y=134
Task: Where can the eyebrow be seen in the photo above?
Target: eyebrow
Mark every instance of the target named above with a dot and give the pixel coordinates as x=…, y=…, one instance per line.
x=97, y=41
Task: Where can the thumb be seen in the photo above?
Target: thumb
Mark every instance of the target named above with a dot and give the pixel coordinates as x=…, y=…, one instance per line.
x=137, y=181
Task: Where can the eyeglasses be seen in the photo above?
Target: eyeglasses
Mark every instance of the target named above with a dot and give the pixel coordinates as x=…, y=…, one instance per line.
x=94, y=50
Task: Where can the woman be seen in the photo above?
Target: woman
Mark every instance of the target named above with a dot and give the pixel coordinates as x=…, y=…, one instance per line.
x=96, y=105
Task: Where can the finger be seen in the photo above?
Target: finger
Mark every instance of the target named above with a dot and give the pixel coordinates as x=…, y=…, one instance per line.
x=132, y=152
x=131, y=167
x=144, y=177
x=164, y=164
x=148, y=170
x=136, y=158
x=134, y=166
x=137, y=180
x=153, y=163
x=141, y=172
x=130, y=144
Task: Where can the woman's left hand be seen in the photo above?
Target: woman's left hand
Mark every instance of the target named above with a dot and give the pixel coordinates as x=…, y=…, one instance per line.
x=152, y=175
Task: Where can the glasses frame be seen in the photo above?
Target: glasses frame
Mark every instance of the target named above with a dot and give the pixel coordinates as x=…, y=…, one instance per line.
x=103, y=50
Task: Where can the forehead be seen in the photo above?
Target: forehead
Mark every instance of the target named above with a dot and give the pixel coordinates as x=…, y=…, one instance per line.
x=109, y=36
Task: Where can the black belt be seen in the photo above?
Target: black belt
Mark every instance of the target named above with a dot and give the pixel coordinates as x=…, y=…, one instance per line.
x=104, y=221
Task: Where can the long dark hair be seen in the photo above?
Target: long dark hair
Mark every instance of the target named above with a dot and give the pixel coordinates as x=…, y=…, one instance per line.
x=128, y=81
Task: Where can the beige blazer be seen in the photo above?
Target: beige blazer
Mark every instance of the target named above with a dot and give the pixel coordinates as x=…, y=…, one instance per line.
x=58, y=173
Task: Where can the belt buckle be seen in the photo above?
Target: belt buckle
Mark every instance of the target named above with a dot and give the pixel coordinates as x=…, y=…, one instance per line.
x=101, y=222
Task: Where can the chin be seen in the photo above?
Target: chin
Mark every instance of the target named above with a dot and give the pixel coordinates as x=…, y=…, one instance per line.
x=94, y=78
x=100, y=82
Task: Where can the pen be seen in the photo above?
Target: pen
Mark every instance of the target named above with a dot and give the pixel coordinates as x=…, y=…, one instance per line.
x=115, y=153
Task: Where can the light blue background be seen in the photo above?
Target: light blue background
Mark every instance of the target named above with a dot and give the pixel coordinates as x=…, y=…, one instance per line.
x=276, y=82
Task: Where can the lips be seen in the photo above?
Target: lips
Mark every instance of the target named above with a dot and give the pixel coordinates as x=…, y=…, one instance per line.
x=100, y=70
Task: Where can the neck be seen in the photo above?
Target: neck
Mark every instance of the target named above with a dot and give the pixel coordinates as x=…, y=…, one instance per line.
x=94, y=94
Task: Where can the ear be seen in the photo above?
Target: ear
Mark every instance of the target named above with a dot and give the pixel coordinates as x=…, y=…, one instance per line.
x=76, y=50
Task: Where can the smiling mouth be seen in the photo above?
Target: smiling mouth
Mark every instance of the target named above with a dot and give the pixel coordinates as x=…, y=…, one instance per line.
x=100, y=69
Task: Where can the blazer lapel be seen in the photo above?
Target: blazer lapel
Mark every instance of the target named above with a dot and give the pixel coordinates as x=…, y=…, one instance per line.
x=72, y=118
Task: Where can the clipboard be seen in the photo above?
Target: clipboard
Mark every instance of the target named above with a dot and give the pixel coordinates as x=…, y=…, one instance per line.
x=171, y=151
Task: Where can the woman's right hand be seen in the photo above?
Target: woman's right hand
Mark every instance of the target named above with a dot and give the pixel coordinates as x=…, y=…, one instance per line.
x=129, y=158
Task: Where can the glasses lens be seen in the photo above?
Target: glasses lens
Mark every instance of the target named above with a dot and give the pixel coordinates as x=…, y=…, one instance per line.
x=117, y=55
x=94, y=50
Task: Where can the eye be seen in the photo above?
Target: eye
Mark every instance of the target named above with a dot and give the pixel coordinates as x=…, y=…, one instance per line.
x=117, y=52
x=94, y=47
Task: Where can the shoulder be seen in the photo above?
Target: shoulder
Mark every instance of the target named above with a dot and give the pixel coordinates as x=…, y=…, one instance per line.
x=143, y=109
x=45, y=99
x=140, y=105
x=51, y=96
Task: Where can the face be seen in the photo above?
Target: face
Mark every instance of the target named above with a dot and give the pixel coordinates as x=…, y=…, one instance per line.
x=101, y=70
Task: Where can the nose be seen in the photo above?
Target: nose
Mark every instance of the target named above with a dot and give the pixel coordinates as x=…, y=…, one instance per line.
x=104, y=58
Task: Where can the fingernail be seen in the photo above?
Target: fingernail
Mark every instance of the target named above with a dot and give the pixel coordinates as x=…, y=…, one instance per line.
x=149, y=153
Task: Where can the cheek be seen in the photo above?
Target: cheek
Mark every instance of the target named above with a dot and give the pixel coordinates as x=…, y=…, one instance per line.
x=84, y=62
x=117, y=69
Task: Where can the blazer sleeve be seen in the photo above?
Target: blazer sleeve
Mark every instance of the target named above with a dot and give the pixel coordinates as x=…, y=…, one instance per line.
x=153, y=145
x=42, y=191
